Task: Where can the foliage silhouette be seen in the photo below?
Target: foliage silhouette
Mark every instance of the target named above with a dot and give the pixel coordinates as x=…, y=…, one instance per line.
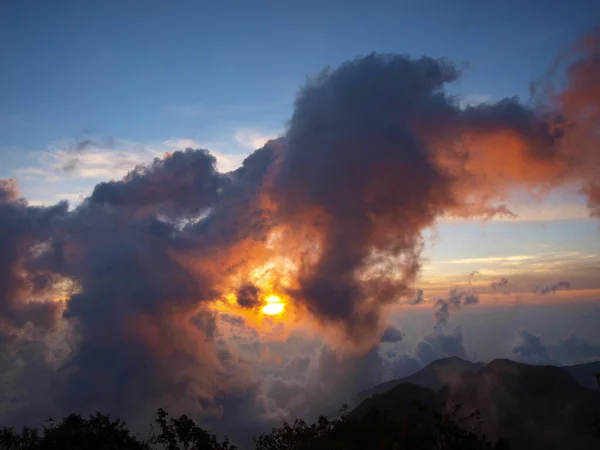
x=425, y=430
x=99, y=432
x=183, y=433
x=374, y=430
x=597, y=418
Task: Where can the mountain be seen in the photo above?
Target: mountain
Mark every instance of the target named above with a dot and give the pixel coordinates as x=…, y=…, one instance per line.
x=584, y=373
x=433, y=376
x=399, y=401
x=531, y=406
x=439, y=372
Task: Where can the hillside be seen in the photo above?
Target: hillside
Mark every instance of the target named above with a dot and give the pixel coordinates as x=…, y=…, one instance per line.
x=433, y=376
x=584, y=373
x=399, y=401
x=531, y=406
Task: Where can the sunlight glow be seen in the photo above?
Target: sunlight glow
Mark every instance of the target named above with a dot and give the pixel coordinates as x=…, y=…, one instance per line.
x=274, y=305
x=272, y=309
x=273, y=299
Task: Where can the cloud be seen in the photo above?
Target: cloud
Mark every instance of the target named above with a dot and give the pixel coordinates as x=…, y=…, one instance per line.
x=552, y=288
x=225, y=162
x=493, y=259
x=529, y=348
x=381, y=112
x=418, y=299
x=440, y=345
x=392, y=334
x=473, y=100
x=526, y=272
x=456, y=298
x=21, y=226
x=76, y=165
x=499, y=283
x=253, y=139
x=432, y=347
x=575, y=350
x=592, y=190
x=537, y=213
x=94, y=157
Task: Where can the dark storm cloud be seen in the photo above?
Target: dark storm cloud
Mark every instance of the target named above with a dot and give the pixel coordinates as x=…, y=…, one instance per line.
x=181, y=185
x=376, y=151
x=29, y=382
x=354, y=162
x=392, y=334
x=21, y=227
x=129, y=287
x=142, y=330
x=247, y=296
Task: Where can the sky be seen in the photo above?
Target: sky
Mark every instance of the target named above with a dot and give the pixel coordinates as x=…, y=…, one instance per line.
x=92, y=89
x=157, y=76
x=74, y=66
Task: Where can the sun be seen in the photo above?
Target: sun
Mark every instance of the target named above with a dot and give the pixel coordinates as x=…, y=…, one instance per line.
x=274, y=305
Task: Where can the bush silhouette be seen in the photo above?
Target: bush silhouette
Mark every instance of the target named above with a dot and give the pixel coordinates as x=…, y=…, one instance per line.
x=183, y=433
x=425, y=430
x=597, y=418
x=100, y=432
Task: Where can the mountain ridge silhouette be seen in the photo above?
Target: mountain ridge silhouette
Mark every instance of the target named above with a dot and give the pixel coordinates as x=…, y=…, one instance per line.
x=532, y=406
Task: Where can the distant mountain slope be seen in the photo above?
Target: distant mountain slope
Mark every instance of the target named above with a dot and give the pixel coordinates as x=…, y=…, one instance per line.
x=399, y=401
x=584, y=373
x=433, y=376
x=436, y=374
x=532, y=406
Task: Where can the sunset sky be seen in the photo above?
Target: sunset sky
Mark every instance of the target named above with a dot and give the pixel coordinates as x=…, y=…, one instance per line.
x=155, y=78
x=91, y=89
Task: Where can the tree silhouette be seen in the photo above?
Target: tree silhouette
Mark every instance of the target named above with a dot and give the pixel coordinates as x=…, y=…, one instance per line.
x=374, y=430
x=98, y=432
x=597, y=418
x=182, y=433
